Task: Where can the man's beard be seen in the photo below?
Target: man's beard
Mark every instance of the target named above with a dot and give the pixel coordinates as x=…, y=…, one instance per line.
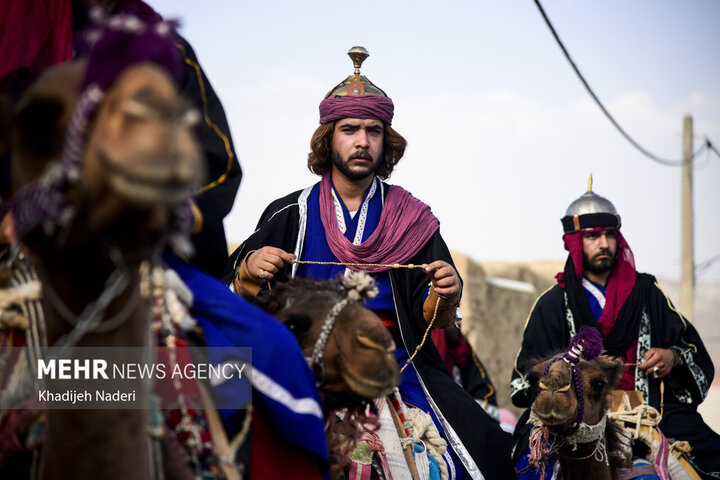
x=350, y=174
x=599, y=266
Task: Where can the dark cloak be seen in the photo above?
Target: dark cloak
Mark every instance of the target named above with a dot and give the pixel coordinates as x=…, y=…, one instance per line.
x=487, y=444
x=547, y=332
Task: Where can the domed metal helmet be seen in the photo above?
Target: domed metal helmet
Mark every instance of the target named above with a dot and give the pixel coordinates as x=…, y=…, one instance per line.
x=356, y=84
x=590, y=211
x=356, y=96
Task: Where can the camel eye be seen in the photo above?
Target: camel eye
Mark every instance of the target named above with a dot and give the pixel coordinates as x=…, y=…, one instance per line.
x=533, y=377
x=598, y=386
x=298, y=324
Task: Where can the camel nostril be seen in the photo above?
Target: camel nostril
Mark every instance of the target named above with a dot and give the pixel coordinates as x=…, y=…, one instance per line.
x=369, y=343
x=140, y=110
x=554, y=389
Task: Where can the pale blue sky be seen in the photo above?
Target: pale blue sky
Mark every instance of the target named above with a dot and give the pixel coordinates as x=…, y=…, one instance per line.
x=502, y=135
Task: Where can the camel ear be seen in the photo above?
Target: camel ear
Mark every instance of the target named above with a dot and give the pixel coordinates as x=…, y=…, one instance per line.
x=38, y=123
x=534, y=374
x=614, y=370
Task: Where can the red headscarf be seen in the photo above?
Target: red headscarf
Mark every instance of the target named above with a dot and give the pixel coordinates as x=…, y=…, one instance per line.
x=622, y=276
x=620, y=284
x=34, y=35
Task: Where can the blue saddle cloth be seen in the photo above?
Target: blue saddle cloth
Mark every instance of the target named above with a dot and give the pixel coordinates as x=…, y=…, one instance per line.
x=288, y=397
x=524, y=473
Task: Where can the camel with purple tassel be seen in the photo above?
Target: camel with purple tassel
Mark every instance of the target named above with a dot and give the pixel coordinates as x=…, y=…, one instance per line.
x=104, y=162
x=573, y=392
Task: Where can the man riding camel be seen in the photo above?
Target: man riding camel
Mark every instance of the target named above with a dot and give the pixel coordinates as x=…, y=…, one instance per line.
x=353, y=217
x=666, y=359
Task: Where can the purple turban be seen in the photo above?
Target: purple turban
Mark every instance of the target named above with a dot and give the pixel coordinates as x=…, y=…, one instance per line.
x=357, y=106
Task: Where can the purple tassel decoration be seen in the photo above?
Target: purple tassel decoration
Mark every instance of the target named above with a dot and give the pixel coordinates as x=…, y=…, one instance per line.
x=586, y=344
x=114, y=43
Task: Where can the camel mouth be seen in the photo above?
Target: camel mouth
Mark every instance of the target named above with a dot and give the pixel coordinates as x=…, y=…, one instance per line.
x=552, y=419
x=369, y=386
x=165, y=182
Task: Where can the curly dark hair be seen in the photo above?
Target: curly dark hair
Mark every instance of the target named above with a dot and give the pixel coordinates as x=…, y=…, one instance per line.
x=320, y=157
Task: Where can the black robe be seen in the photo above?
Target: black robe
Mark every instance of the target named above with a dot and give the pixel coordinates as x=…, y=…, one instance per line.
x=215, y=199
x=655, y=323
x=488, y=446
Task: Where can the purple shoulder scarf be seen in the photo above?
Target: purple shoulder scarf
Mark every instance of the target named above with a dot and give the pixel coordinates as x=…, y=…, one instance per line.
x=406, y=224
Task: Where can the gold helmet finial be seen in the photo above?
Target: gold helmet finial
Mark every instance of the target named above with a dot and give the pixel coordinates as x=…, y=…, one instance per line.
x=356, y=84
x=590, y=183
x=358, y=56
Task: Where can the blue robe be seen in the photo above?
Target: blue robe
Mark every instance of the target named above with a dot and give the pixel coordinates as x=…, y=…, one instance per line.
x=317, y=248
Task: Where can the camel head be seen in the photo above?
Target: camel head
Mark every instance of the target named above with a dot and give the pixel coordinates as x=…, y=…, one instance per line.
x=357, y=358
x=556, y=402
x=107, y=141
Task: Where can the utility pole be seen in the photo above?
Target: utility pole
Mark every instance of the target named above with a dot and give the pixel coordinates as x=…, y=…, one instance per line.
x=687, y=276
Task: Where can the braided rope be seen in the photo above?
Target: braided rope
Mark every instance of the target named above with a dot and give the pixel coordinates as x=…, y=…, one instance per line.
x=45, y=200
x=577, y=386
x=422, y=342
x=580, y=394
x=327, y=327
x=325, y=330
x=346, y=264
x=359, y=286
x=402, y=412
x=423, y=427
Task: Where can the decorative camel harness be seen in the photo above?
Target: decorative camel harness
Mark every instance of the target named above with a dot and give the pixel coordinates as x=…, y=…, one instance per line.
x=587, y=345
x=360, y=286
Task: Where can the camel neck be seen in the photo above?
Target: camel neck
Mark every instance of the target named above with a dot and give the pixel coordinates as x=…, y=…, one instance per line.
x=588, y=461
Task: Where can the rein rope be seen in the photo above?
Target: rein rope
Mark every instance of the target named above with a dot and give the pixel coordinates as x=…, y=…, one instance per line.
x=586, y=344
x=346, y=264
x=319, y=349
x=109, y=324
x=577, y=386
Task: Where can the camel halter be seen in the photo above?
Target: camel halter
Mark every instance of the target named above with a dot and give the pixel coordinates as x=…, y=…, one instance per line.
x=359, y=285
x=330, y=319
x=584, y=434
x=586, y=344
x=45, y=202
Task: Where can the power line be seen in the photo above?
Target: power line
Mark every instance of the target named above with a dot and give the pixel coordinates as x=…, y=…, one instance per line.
x=711, y=147
x=655, y=158
x=701, y=267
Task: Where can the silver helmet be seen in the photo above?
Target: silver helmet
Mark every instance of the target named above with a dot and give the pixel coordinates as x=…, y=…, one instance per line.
x=590, y=211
